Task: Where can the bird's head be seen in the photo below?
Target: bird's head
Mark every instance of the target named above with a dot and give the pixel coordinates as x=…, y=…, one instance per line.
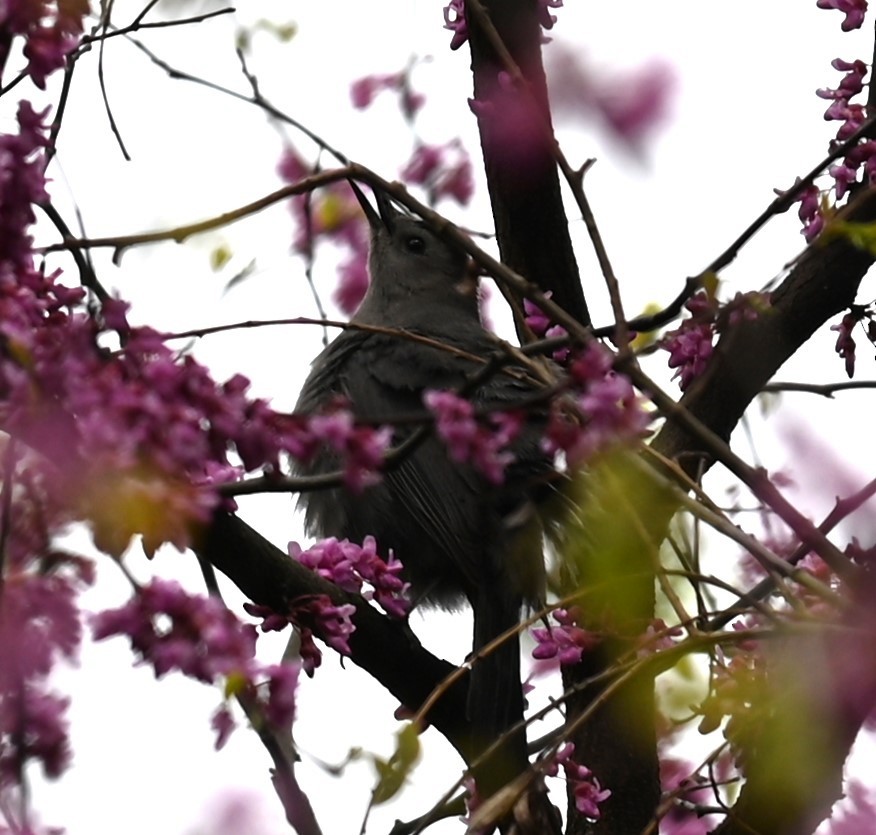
x=412, y=269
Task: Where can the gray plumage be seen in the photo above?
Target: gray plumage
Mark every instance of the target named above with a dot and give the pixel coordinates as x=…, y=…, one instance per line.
x=458, y=537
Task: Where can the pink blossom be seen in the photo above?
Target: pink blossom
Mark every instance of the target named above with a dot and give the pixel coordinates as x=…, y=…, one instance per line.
x=541, y=326
x=174, y=630
x=588, y=794
x=134, y=434
x=223, y=724
x=443, y=170
x=845, y=342
x=423, y=163
x=282, y=681
x=602, y=411
x=331, y=213
x=362, y=448
x=810, y=212
x=630, y=104
x=565, y=640
x=678, y=781
x=485, y=445
x=33, y=727
x=309, y=613
x=334, y=621
x=850, y=85
x=634, y=105
x=199, y=637
x=353, y=281
x=690, y=348
x=350, y=566
x=454, y=20
x=39, y=625
x=545, y=18
x=50, y=29
x=364, y=90
x=537, y=321
x=658, y=636
x=854, y=11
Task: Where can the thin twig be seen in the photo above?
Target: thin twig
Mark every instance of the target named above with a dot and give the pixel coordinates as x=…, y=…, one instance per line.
x=824, y=389
x=258, y=101
x=842, y=509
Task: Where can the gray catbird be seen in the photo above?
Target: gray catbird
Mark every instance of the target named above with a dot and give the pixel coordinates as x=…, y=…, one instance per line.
x=458, y=536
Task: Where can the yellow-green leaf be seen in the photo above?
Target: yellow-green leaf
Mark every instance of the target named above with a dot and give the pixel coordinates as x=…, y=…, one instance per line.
x=392, y=773
x=220, y=256
x=860, y=235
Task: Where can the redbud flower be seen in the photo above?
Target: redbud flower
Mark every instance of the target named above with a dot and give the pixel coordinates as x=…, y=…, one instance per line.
x=362, y=448
x=365, y=90
x=689, y=351
x=854, y=11
x=175, y=630
x=565, y=640
x=485, y=445
x=454, y=20
x=443, y=170
x=845, y=342
x=586, y=790
x=350, y=566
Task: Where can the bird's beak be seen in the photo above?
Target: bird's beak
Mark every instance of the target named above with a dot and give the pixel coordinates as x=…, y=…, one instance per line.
x=385, y=215
x=388, y=213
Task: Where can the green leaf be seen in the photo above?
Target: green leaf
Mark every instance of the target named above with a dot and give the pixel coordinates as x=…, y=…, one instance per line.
x=220, y=256
x=860, y=235
x=392, y=773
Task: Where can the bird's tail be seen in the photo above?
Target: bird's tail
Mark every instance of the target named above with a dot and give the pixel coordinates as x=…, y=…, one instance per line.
x=495, y=703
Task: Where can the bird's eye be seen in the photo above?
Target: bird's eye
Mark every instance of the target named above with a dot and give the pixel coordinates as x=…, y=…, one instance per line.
x=415, y=244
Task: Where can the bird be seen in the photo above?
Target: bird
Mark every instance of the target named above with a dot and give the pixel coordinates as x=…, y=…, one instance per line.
x=459, y=537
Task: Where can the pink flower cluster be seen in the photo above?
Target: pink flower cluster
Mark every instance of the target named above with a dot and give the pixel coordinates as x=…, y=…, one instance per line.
x=481, y=443
x=364, y=90
x=631, y=104
x=24, y=185
x=131, y=434
x=810, y=212
x=333, y=214
x=586, y=790
x=360, y=448
x=542, y=327
x=851, y=116
x=454, y=21
x=854, y=11
x=565, y=640
x=443, y=170
x=689, y=351
x=351, y=566
x=684, y=818
x=50, y=29
x=39, y=625
x=658, y=636
x=691, y=345
x=601, y=411
x=199, y=637
x=309, y=613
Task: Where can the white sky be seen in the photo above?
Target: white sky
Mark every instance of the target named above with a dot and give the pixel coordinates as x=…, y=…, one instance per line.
x=745, y=120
